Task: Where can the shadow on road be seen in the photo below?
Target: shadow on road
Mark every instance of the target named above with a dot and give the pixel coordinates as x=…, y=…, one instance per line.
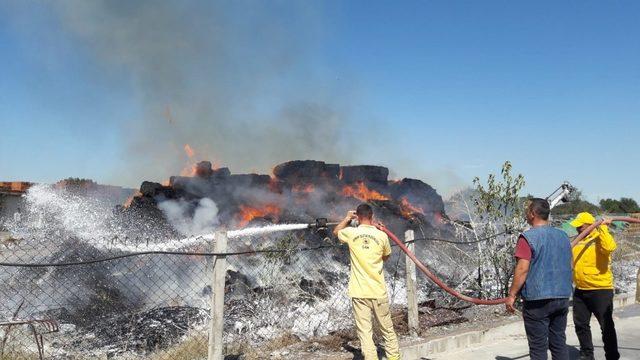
x=574, y=354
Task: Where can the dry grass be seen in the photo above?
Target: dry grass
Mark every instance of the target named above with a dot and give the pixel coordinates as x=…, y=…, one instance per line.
x=193, y=348
x=263, y=351
x=15, y=355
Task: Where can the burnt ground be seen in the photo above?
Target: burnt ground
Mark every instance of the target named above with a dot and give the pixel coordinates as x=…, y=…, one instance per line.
x=434, y=322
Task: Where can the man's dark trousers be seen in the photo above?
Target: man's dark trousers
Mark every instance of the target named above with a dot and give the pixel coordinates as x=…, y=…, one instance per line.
x=545, y=322
x=600, y=304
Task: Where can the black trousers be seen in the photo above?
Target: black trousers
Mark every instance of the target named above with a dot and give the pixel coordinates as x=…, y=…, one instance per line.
x=545, y=322
x=600, y=304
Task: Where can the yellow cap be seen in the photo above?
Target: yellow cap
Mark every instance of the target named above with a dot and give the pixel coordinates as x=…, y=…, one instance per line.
x=584, y=218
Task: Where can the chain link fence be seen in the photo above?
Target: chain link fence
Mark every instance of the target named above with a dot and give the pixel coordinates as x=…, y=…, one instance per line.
x=80, y=301
x=282, y=291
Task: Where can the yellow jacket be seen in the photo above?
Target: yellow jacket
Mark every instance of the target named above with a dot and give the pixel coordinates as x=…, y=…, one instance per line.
x=592, y=260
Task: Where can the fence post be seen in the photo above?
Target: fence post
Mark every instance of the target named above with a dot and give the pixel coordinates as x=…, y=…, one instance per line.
x=216, y=324
x=412, y=298
x=638, y=286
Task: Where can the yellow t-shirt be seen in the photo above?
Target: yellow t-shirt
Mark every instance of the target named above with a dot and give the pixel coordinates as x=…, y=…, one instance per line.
x=367, y=246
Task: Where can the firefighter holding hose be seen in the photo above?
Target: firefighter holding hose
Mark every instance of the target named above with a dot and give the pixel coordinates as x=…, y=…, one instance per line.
x=368, y=248
x=594, y=286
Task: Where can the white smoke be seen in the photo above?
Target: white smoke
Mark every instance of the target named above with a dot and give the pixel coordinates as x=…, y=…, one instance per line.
x=178, y=213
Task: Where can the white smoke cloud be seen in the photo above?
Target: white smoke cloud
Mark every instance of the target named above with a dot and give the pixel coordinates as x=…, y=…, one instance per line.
x=178, y=213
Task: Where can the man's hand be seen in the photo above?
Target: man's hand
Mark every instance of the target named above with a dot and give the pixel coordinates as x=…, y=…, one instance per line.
x=519, y=277
x=607, y=220
x=510, y=304
x=380, y=226
x=351, y=214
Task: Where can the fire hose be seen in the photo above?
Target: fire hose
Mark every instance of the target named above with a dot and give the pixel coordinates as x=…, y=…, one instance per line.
x=478, y=301
x=434, y=278
x=593, y=226
x=322, y=224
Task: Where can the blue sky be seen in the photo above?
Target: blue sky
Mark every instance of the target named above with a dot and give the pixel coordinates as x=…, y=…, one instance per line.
x=438, y=90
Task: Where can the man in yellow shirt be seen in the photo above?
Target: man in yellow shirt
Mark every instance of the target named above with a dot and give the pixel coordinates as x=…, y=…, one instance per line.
x=368, y=248
x=594, y=286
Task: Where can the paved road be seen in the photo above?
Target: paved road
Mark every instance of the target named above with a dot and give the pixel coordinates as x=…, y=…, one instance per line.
x=512, y=343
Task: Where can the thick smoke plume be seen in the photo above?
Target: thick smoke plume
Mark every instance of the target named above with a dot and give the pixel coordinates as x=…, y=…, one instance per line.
x=235, y=80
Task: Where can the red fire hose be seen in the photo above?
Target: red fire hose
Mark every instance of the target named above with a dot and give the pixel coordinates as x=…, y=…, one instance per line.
x=435, y=279
x=591, y=227
x=477, y=301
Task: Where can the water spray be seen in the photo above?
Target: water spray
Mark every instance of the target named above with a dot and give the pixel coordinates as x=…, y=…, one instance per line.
x=321, y=226
x=253, y=231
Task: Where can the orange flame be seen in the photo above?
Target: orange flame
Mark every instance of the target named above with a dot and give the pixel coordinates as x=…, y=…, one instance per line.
x=188, y=170
x=129, y=200
x=408, y=209
x=438, y=218
x=362, y=192
x=248, y=213
x=189, y=150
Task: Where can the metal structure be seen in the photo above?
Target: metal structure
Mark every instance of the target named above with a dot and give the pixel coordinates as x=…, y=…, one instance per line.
x=561, y=195
x=47, y=326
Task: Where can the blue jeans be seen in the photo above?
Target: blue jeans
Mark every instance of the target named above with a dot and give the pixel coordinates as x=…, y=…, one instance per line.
x=545, y=322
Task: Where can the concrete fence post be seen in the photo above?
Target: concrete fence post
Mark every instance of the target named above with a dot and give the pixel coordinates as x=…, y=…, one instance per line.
x=216, y=325
x=412, y=296
x=638, y=286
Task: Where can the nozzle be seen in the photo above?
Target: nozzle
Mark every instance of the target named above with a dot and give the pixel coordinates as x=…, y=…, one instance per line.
x=321, y=223
x=321, y=227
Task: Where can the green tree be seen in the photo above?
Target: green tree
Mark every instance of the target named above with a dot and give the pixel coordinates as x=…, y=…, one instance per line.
x=610, y=205
x=624, y=205
x=498, y=216
x=629, y=205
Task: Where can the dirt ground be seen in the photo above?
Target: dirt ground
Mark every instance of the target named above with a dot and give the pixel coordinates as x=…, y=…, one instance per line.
x=434, y=322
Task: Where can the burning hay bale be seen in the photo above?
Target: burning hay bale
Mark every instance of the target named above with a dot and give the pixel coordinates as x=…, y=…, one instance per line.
x=300, y=191
x=310, y=170
x=364, y=173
